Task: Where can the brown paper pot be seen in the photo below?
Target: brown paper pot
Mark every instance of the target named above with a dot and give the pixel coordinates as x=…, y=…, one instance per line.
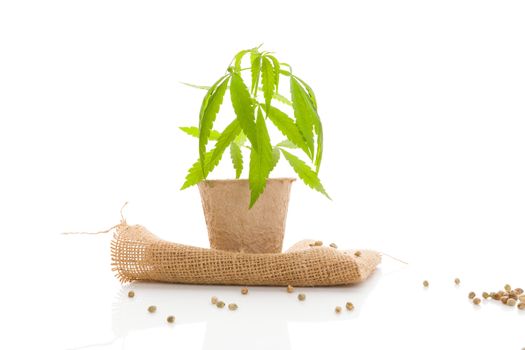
x=234, y=227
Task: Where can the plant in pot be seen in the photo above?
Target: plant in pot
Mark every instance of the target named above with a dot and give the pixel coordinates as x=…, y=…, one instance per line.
x=250, y=215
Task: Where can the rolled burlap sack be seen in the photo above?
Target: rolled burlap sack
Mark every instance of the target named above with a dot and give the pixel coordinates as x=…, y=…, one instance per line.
x=137, y=254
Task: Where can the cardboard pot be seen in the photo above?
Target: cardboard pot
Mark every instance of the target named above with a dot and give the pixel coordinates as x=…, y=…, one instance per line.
x=234, y=227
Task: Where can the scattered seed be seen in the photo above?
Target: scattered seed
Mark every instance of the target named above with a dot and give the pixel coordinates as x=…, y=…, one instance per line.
x=152, y=309
x=518, y=291
x=171, y=319
x=349, y=306
x=471, y=295
x=497, y=296
x=358, y=253
x=457, y=281
x=485, y=295
x=244, y=291
x=301, y=296
x=505, y=300
x=131, y=294
x=511, y=302
x=508, y=288
x=289, y=289
x=232, y=307
x=333, y=245
x=476, y=301
x=338, y=309
x=522, y=298
x=318, y=243
x=220, y=304
x=425, y=284
x=214, y=300
x=521, y=306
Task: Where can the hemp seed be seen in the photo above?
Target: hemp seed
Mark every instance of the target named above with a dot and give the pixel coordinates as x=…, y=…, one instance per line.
x=508, y=288
x=425, y=284
x=338, y=309
x=485, y=295
x=476, y=301
x=170, y=319
x=131, y=294
x=214, y=300
x=220, y=304
x=521, y=306
x=349, y=306
x=152, y=309
x=471, y=295
x=301, y=296
x=511, y=302
x=244, y=291
x=232, y=307
x=333, y=245
x=289, y=289
x=357, y=253
x=457, y=281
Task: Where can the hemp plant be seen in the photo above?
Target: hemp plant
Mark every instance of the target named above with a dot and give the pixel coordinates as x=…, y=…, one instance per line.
x=257, y=101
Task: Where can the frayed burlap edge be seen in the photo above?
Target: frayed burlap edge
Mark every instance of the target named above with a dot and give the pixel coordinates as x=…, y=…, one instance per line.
x=138, y=255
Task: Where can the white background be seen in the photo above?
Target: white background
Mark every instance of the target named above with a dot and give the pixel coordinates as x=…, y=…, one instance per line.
x=423, y=110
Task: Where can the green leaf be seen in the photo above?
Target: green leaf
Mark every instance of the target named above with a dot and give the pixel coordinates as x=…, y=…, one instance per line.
x=208, y=118
x=243, y=107
x=304, y=112
x=305, y=173
x=310, y=91
x=194, y=131
x=206, y=98
x=227, y=137
x=240, y=139
x=261, y=160
x=276, y=155
x=195, y=174
x=287, y=127
x=238, y=58
x=201, y=87
x=236, y=155
x=287, y=144
x=318, y=127
x=276, y=71
x=268, y=81
x=256, y=70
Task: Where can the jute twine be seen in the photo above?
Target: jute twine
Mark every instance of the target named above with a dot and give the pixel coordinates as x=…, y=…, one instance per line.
x=138, y=255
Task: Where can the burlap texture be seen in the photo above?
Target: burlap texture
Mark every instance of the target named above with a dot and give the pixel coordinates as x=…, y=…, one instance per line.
x=137, y=254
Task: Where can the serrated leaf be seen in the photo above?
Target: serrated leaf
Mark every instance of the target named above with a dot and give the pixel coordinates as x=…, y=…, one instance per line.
x=240, y=139
x=288, y=128
x=310, y=91
x=261, y=160
x=236, y=155
x=256, y=70
x=227, y=137
x=194, y=131
x=304, y=112
x=318, y=126
x=287, y=144
x=195, y=174
x=276, y=155
x=206, y=98
x=305, y=173
x=243, y=107
x=238, y=58
x=268, y=81
x=276, y=72
x=208, y=118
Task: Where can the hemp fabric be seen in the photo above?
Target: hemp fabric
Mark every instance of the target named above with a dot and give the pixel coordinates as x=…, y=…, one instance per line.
x=139, y=255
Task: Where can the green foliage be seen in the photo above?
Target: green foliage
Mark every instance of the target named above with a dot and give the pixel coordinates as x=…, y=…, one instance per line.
x=298, y=122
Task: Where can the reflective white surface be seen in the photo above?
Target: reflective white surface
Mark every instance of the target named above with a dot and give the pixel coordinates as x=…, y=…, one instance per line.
x=82, y=306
